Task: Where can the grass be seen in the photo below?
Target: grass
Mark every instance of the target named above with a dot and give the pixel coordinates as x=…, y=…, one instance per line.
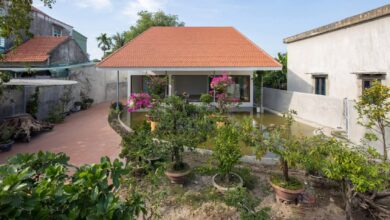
x=292, y=184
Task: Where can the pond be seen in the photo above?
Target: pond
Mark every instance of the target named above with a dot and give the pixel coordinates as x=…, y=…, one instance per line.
x=265, y=119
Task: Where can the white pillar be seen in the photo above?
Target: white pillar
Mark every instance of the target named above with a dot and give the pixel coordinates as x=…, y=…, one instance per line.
x=128, y=84
x=170, y=87
x=117, y=90
x=262, y=95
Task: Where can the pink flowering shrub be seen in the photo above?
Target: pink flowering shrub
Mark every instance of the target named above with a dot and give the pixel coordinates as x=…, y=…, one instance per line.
x=219, y=86
x=138, y=101
x=221, y=83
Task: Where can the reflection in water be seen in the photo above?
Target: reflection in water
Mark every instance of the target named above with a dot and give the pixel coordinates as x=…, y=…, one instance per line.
x=266, y=119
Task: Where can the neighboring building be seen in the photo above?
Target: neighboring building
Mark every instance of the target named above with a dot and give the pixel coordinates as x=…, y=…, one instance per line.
x=190, y=57
x=54, y=49
x=44, y=25
x=341, y=59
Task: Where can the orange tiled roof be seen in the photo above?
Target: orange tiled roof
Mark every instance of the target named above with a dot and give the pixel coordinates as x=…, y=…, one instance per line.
x=36, y=49
x=183, y=47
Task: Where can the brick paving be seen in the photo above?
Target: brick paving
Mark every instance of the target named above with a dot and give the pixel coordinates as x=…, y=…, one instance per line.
x=85, y=136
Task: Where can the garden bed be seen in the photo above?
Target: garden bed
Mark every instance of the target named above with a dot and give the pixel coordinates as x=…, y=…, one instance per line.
x=198, y=199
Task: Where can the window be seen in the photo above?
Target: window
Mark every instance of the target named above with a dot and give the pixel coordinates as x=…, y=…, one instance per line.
x=320, y=85
x=367, y=83
x=57, y=31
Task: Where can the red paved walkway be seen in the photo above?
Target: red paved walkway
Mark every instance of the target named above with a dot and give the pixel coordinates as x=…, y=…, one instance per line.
x=84, y=136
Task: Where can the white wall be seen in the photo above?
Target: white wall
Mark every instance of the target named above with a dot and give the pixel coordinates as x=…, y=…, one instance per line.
x=321, y=111
x=360, y=48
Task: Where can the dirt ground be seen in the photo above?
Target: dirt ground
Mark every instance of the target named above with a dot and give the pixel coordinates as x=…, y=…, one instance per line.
x=197, y=199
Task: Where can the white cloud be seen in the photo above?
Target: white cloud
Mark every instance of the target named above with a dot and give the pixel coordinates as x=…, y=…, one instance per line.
x=134, y=6
x=95, y=4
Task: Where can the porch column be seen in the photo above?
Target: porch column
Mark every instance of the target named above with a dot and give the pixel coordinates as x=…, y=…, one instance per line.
x=128, y=84
x=262, y=95
x=170, y=87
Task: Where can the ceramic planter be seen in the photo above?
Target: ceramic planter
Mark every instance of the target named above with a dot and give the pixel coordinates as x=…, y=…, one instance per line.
x=153, y=125
x=6, y=146
x=223, y=189
x=287, y=195
x=178, y=177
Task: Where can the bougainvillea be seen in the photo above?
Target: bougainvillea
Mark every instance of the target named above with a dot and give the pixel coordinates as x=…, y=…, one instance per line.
x=219, y=86
x=221, y=83
x=138, y=101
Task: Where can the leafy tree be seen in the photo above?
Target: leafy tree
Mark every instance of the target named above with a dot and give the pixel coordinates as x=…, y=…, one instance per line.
x=104, y=43
x=180, y=124
x=277, y=79
x=119, y=40
x=373, y=108
x=16, y=22
x=359, y=172
x=150, y=19
x=227, y=151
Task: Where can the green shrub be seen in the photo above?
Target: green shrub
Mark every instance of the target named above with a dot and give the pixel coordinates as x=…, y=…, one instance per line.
x=246, y=204
x=32, y=103
x=227, y=151
x=56, y=115
x=38, y=186
x=206, y=98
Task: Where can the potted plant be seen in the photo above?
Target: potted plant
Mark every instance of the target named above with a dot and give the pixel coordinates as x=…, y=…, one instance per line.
x=219, y=88
x=227, y=154
x=181, y=125
x=6, y=139
x=288, y=147
x=77, y=106
x=157, y=86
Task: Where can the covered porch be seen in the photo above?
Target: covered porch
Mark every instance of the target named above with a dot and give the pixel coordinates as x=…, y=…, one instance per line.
x=194, y=84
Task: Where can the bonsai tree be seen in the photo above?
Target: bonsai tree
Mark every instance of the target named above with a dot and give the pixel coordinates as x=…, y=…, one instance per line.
x=374, y=108
x=206, y=99
x=227, y=152
x=180, y=125
x=288, y=147
x=140, y=146
x=361, y=176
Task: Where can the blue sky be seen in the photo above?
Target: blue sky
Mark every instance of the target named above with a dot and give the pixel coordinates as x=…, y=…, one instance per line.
x=264, y=22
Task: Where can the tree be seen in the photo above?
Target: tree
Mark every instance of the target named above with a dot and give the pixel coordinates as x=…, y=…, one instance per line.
x=373, y=108
x=119, y=40
x=16, y=22
x=104, y=43
x=150, y=19
x=277, y=79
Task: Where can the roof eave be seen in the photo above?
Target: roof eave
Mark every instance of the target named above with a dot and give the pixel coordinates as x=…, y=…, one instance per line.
x=262, y=68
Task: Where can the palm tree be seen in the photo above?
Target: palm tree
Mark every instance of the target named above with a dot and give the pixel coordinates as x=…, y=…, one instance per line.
x=119, y=41
x=104, y=43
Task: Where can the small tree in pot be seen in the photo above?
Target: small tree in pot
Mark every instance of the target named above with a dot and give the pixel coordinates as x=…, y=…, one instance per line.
x=288, y=147
x=180, y=125
x=6, y=138
x=227, y=154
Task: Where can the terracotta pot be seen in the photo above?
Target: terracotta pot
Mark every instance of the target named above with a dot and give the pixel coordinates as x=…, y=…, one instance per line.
x=178, y=177
x=287, y=195
x=6, y=146
x=223, y=189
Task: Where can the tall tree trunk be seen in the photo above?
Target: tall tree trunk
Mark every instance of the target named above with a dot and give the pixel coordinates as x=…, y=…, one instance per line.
x=347, y=194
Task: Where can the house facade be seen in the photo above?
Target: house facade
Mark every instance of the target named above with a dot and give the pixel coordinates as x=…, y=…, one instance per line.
x=44, y=25
x=190, y=57
x=341, y=59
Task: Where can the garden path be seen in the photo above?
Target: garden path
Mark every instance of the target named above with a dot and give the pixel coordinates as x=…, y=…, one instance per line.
x=85, y=137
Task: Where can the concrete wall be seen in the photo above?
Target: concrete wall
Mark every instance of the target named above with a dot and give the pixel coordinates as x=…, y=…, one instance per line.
x=359, y=48
x=68, y=53
x=15, y=99
x=320, y=111
x=100, y=85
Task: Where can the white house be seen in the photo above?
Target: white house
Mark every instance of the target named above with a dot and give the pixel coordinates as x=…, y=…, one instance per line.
x=342, y=58
x=190, y=57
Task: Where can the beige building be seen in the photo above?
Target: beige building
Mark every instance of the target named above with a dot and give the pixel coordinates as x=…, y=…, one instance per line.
x=341, y=59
